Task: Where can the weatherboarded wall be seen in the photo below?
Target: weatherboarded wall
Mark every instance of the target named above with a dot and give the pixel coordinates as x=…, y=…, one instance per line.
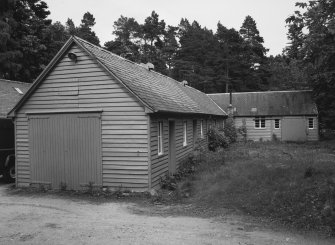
x=267, y=133
x=160, y=163
x=124, y=128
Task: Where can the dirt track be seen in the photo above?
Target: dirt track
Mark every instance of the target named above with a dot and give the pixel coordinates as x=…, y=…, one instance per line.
x=52, y=220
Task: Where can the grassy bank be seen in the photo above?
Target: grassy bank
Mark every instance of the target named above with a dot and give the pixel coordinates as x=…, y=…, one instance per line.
x=287, y=182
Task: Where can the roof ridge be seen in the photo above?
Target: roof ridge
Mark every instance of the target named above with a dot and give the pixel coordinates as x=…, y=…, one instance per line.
x=281, y=91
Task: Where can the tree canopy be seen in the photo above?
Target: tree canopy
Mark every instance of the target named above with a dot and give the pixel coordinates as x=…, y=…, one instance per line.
x=312, y=36
x=211, y=61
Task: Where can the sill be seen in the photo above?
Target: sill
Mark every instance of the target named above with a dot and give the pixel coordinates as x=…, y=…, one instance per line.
x=260, y=128
x=184, y=145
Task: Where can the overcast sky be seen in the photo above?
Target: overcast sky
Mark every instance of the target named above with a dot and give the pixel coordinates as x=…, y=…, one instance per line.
x=269, y=15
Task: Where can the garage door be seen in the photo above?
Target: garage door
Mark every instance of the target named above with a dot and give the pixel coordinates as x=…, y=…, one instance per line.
x=294, y=129
x=65, y=149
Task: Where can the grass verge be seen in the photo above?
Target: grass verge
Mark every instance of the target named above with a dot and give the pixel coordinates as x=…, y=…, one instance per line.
x=287, y=182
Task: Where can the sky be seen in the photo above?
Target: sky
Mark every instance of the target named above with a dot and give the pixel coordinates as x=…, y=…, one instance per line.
x=269, y=15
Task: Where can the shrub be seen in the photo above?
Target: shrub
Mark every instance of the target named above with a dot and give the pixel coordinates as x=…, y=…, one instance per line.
x=230, y=130
x=217, y=139
x=243, y=132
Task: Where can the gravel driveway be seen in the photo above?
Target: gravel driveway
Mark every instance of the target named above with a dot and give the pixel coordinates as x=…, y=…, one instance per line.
x=48, y=219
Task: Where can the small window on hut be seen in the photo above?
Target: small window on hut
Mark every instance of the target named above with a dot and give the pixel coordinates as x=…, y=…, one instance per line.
x=18, y=90
x=160, y=138
x=202, y=129
x=260, y=122
x=310, y=123
x=277, y=123
x=185, y=133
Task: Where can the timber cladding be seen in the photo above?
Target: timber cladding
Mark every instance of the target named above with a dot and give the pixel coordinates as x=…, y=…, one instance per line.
x=123, y=121
x=160, y=163
x=93, y=121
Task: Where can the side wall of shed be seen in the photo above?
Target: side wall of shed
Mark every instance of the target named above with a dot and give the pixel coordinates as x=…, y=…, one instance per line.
x=160, y=163
x=124, y=123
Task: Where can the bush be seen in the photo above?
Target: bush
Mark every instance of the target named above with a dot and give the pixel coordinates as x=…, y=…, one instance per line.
x=230, y=130
x=217, y=139
x=243, y=132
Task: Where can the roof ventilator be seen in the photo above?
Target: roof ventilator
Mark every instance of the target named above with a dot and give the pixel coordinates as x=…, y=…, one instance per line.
x=149, y=66
x=72, y=56
x=184, y=83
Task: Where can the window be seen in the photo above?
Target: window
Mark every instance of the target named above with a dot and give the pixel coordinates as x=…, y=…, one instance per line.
x=260, y=122
x=310, y=123
x=202, y=129
x=160, y=138
x=185, y=133
x=277, y=124
x=18, y=90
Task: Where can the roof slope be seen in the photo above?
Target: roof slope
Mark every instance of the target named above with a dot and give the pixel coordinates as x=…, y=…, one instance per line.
x=272, y=103
x=9, y=96
x=161, y=93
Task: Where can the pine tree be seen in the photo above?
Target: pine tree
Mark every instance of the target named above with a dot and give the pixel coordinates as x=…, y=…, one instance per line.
x=85, y=29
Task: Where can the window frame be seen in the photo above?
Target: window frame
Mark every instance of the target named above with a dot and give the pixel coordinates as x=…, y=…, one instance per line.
x=184, y=133
x=202, y=129
x=260, y=120
x=160, y=145
x=277, y=120
x=310, y=119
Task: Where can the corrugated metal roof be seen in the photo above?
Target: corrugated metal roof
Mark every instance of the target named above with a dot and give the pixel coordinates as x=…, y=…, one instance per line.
x=161, y=93
x=270, y=103
x=9, y=96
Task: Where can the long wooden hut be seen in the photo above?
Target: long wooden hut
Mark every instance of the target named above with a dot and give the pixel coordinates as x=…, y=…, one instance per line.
x=284, y=115
x=93, y=117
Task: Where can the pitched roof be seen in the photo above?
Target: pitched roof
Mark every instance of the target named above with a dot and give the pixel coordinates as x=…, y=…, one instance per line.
x=9, y=96
x=161, y=93
x=155, y=91
x=270, y=103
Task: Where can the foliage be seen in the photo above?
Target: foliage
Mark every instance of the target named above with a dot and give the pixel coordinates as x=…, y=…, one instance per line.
x=290, y=183
x=287, y=74
x=230, y=130
x=217, y=139
x=315, y=47
x=28, y=40
x=23, y=47
x=208, y=61
x=242, y=130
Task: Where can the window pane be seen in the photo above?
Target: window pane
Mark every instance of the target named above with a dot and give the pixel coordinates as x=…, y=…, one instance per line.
x=263, y=122
x=310, y=123
x=185, y=134
x=257, y=122
x=160, y=137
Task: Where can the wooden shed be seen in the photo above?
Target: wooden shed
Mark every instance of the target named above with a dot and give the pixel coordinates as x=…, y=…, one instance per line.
x=10, y=93
x=286, y=115
x=93, y=117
